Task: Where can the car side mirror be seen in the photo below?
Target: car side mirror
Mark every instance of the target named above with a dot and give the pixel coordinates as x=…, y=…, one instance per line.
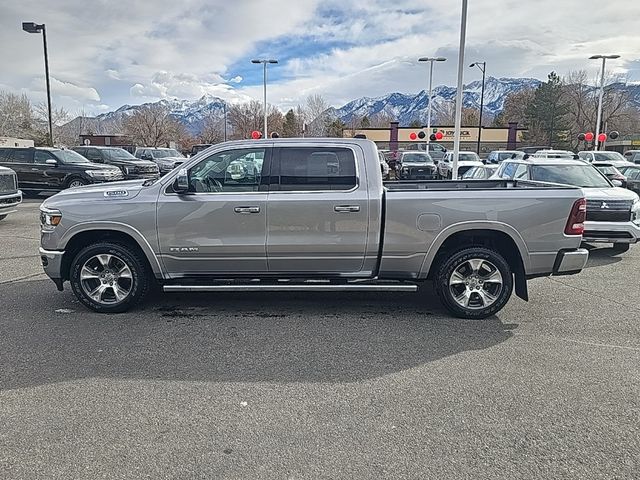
x=51, y=161
x=616, y=183
x=181, y=183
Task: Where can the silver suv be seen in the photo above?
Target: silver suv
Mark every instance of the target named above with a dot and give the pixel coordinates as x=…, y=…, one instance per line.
x=613, y=213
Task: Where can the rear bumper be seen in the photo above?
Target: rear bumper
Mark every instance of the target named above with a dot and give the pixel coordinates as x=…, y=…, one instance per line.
x=570, y=261
x=611, y=232
x=9, y=202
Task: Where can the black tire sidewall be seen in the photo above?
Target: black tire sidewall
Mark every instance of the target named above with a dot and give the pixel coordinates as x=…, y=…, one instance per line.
x=453, y=261
x=139, y=275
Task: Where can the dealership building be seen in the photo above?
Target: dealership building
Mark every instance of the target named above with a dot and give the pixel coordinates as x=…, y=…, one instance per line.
x=398, y=138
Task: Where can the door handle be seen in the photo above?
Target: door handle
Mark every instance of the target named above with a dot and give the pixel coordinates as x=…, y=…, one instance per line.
x=247, y=209
x=347, y=208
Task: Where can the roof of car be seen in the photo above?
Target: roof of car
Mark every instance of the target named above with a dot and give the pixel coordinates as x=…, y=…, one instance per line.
x=96, y=146
x=546, y=161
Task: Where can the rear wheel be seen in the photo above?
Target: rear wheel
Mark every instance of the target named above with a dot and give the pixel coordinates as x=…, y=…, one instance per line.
x=474, y=282
x=110, y=277
x=621, y=247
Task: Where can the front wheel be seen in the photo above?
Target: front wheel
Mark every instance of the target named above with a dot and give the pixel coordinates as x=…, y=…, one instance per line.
x=474, y=282
x=76, y=182
x=110, y=277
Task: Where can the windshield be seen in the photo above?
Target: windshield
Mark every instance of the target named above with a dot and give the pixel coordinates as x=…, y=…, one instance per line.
x=468, y=157
x=417, y=158
x=608, y=156
x=585, y=176
x=166, y=153
x=118, y=154
x=69, y=156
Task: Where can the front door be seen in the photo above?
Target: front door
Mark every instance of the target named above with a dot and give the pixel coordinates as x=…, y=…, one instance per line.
x=318, y=212
x=219, y=226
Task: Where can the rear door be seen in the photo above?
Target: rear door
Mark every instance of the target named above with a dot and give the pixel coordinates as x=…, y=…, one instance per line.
x=317, y=211
x=46, y=176
x=21, y=161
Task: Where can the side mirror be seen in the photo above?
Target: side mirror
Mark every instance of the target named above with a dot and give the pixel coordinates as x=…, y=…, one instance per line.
x=51, y=161
x=616, y=183
x=181, y=183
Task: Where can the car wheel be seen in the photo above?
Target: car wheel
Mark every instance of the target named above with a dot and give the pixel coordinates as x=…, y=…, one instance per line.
x=474, y=282
x=621, y=247
x=76, y=182
x=110, y=277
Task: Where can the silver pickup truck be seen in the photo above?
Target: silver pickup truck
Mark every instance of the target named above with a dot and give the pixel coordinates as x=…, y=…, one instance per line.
x=308, y=214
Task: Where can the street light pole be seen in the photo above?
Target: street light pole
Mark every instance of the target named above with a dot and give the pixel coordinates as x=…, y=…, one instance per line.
x=482, y=69
x=31, y=27
x=458, y=121
x=430, y=60
x=599, y=115
x=264, y=63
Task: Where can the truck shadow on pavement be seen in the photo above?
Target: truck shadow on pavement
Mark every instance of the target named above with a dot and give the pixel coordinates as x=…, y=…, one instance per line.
x=239, y=337
x=601, y=257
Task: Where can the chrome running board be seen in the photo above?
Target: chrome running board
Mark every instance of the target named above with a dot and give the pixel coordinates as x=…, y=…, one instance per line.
x=296, y=287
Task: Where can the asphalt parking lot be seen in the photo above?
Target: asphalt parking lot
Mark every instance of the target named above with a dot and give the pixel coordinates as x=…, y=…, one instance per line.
x=318, y=385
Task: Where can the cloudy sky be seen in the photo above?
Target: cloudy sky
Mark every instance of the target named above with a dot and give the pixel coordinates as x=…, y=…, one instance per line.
x=105, y=53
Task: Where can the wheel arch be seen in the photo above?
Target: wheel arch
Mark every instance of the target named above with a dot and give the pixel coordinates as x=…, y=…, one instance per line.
x=498, y=236
x=83, y=235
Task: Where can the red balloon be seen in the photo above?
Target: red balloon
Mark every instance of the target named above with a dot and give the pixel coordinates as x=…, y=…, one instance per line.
x=439, y=135
x=588, y=136
x=413, y=135
x=602, y=137
x=256, y=134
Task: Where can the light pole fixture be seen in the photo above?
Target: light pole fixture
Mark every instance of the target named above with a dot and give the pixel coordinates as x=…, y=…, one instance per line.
x=264, y=63
x=482, y=66
x=31, y=27
x=458, y=119
x=430, y=60
x=604, y=59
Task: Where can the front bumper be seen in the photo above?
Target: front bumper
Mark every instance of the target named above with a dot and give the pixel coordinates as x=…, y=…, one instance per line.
x=9, y=202
x=52, y=265
x=611, y=232
x=569, y=262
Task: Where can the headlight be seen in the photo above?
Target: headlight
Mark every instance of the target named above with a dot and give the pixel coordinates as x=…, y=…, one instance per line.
x=104, y=174
x=50, y=217
x=635, y=213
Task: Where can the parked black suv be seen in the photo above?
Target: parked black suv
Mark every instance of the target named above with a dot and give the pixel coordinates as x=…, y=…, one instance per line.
x=132, y=167
x=55, y=169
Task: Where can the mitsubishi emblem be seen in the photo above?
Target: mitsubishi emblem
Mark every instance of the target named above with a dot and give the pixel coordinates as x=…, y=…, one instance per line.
x=604, y=205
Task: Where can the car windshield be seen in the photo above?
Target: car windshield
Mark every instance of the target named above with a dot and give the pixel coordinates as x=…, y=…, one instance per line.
x=607, y=169
x=118, y=154
x=417, y=158
x=608, y=156
x=166, y=153
x=69, y=156
x=585, y=176
x=467, y=157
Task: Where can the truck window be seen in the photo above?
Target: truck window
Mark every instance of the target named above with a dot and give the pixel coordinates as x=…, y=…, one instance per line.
x=316, y=168
x=228, y=171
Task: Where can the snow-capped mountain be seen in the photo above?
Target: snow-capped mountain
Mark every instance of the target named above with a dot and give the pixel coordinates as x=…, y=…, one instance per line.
x=407, y=107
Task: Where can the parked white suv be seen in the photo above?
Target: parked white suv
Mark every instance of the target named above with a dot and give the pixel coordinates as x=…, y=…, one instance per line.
x=466, y=160
x=613, y=213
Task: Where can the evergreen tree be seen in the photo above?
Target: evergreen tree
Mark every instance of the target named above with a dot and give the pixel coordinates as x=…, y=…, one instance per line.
x=547, y=113
x=290, y=126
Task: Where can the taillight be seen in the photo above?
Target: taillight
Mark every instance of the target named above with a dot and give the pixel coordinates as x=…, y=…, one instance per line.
x=575, y=224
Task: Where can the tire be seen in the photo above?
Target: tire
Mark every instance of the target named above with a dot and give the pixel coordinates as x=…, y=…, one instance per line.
x=132, y=284
x=76, y=182
x=620, y=248
x=489, y=287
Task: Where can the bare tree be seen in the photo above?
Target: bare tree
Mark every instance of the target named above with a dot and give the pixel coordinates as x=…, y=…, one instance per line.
x=514, y=109
x=212, y=130
x=152, y=126
x=316, y=116
x=447, y=114
x=247, y=117
x=381, y=120
x=16, y=116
